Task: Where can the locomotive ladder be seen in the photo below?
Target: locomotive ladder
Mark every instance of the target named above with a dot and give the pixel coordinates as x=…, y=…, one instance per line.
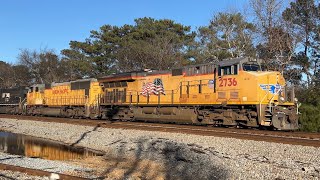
x=269, y=109
x=268, y=113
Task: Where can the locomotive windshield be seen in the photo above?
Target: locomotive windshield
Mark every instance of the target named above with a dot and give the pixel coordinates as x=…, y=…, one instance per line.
x=251, y=67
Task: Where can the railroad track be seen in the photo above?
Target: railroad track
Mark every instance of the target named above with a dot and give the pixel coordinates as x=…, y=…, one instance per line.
x=37, y=172
x=294, y=138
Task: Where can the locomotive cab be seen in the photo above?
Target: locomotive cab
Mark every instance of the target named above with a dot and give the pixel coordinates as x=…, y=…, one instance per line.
x=35, y=94
x=248, y=84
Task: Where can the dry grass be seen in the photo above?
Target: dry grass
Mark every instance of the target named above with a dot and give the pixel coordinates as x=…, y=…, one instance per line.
x=120, y=168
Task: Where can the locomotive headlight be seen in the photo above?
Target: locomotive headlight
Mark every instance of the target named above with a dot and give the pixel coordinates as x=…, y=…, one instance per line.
x=282, y=99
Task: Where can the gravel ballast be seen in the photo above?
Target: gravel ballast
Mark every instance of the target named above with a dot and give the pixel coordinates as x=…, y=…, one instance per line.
x=178, y=156
x=10, y=175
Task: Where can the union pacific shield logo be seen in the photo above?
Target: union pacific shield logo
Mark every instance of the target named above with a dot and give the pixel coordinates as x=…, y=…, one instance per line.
x=272, y=88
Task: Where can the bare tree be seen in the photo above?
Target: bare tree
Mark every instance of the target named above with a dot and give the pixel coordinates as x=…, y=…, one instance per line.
x=277, y=42
x=267, y=14
x=228, y=35
x=6, y=78
x=31, y=60
x=44, y=66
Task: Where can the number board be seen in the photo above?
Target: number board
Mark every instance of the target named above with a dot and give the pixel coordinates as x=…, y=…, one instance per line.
x=227, y=82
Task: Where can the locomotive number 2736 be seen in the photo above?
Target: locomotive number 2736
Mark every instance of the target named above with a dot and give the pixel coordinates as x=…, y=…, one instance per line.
x=227, y=82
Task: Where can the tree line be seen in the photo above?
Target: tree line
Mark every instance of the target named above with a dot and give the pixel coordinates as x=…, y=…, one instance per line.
x=285, y=37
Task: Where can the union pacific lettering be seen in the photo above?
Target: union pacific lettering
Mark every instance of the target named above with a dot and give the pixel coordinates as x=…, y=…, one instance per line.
x=60, y=91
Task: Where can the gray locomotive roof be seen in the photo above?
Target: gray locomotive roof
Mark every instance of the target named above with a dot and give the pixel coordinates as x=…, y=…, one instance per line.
x=225, y=62
x=136, y=73
x=67, y=83
x=131, y=75
x=83, y=80
x=232, y=61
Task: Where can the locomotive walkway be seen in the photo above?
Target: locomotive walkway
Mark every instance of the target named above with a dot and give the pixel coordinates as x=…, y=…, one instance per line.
x=294, y=138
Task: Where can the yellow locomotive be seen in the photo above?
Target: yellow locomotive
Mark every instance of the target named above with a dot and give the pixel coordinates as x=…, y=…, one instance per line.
x=234, y=92
x=68, y=99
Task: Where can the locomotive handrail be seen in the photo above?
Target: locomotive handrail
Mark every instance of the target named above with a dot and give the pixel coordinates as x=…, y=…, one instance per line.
x=133, y=94
x=22, y=103
x=260, y=103
x=24, y=100
x=269, y=103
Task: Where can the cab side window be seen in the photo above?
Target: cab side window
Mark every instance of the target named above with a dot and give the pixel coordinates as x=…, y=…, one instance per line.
x=228, y=70
x=235, y=69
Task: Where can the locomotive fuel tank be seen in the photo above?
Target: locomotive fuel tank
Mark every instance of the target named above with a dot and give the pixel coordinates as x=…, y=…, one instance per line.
x=55, y=112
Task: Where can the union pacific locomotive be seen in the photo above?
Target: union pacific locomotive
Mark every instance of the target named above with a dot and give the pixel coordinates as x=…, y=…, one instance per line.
x=233, y=92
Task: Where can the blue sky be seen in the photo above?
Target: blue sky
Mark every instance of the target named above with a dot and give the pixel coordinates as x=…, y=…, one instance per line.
x=52, y=24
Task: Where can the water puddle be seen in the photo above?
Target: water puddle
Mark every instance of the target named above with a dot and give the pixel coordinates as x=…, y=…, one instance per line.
x=29, y=146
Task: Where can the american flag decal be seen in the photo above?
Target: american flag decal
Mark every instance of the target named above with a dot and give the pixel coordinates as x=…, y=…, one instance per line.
x=155, y=87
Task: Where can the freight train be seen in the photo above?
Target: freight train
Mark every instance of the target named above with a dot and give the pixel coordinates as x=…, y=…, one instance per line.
x=234, y=92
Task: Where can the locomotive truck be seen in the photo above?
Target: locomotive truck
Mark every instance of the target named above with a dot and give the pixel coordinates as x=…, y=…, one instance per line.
x=233, y=92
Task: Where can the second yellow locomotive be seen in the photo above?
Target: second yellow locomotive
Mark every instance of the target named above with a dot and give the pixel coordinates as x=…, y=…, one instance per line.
x=234, y=92
x=68, y=99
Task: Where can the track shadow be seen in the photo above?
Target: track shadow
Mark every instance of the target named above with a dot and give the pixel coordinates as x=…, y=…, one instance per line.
x=161, y=158
x=84, y=135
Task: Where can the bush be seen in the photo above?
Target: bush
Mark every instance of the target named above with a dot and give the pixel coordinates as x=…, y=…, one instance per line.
x=310, y=118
